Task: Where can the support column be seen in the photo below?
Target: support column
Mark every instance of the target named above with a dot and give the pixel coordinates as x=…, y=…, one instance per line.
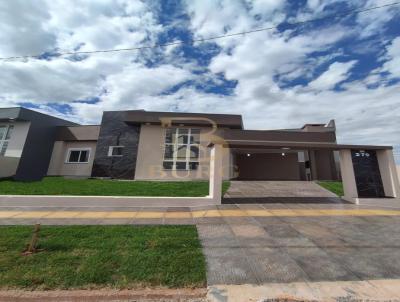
x=215, y=187
x=387, y=168
x=348, y=177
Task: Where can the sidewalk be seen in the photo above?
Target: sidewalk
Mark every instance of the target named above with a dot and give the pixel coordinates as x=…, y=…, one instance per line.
x=179, y=215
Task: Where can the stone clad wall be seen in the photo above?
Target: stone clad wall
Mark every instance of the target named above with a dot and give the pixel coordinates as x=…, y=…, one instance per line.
x=115, y=132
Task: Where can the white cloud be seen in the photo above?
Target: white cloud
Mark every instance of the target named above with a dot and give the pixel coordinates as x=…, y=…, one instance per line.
x=374, y=21
x=22, y=28
x=336, y=73
x=260, y=63
x=392, y=65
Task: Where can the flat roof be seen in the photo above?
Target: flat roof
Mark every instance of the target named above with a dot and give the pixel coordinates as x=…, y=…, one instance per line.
x=280, y=139
x=11, y=114
x=176, y=118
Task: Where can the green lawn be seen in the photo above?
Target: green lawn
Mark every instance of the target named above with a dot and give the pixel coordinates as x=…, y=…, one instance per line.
x=102, y=256
x=62, y=186
x=333, y=186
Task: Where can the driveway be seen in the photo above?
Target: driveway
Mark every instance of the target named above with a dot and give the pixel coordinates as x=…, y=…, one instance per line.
x=278, y=192
x=282, y=249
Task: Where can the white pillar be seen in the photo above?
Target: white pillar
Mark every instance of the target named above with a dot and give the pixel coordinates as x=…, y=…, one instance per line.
x=387, y=168
x=348, y=177
x=216, y=173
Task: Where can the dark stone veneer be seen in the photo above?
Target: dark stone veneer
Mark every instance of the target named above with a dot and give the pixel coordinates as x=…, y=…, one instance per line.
x=115, y=132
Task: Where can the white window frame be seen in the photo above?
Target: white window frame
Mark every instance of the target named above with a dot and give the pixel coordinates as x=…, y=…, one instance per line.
x=175, y=145
x=78, y=149
x=110, y=151
x=4, y=138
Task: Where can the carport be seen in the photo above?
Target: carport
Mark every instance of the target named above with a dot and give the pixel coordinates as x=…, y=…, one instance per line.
x=285, y=164
x=367, y=171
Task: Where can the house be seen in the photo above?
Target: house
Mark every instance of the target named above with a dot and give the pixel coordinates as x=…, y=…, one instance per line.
x=143, y=145
x=26, y=142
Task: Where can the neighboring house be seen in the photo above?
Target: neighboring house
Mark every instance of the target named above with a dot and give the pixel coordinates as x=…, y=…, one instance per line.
x=26, y=142
x=144, y=145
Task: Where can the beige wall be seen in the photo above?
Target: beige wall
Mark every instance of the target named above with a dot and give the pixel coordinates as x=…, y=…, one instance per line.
x=58, y=165
x=398, y=171
x=151, y=153
x=388, y=170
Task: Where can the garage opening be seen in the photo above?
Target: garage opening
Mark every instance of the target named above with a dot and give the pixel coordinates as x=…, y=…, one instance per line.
x=268, y=166
x=285, y=164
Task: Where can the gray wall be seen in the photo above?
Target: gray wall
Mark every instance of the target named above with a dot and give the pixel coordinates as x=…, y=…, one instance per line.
x=38, y=146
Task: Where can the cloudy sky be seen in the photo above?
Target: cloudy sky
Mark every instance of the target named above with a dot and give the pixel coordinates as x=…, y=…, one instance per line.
x=347, y=68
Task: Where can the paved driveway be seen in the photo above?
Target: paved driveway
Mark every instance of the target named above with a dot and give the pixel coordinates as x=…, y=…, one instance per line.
x=278, y=192
x=257, y=250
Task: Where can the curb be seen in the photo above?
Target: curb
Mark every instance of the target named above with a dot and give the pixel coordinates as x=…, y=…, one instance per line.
x=194, y=295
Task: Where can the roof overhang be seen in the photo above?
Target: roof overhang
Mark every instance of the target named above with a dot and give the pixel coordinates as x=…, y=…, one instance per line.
x=9, y=115
x=290, y=145
x=280, y=139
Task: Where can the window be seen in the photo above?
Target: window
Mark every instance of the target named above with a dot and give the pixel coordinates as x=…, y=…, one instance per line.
x=115, y=151
x=181, y=149
x=78, y=156
x=5, y=134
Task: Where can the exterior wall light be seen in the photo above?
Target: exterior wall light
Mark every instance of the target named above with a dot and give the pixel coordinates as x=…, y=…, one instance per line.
x=248, y=154
x=283, y=153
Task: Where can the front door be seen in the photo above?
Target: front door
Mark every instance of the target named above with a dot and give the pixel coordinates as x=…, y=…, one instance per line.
x=367, y=174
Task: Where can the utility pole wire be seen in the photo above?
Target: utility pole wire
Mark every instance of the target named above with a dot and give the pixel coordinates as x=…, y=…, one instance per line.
x=340, y=15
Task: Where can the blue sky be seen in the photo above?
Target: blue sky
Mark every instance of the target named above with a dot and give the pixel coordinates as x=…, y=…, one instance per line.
x=342, y=68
